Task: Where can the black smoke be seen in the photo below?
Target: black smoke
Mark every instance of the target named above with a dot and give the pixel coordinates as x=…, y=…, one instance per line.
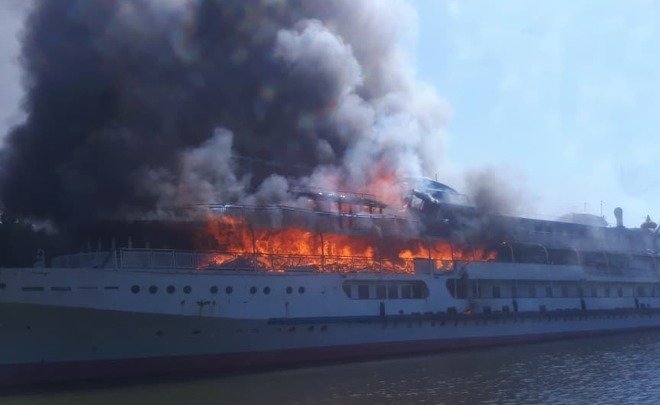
x=137, y=105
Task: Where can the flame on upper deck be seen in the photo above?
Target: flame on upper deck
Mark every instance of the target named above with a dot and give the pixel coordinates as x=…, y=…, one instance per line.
x=292, y=248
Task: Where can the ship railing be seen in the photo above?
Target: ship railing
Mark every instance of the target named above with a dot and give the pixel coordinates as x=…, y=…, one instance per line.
x=161, y=259
x=173, y=259
x=98, y=259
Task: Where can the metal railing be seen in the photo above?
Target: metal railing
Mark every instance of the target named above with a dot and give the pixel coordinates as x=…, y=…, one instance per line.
x=158, y=259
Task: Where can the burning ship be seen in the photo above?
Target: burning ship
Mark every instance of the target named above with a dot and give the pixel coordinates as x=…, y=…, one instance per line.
x=289, y=285
x=186, y=139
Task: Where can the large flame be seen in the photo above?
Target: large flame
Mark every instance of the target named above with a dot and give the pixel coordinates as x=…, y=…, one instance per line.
x=295, y=248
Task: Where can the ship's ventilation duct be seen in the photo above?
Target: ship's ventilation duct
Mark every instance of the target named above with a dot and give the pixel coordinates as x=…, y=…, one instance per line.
x=618, y=214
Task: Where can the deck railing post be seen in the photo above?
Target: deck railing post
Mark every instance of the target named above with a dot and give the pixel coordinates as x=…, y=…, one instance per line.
x=322, y=252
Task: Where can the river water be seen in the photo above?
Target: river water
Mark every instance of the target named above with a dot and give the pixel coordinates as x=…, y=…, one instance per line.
x=618, y=369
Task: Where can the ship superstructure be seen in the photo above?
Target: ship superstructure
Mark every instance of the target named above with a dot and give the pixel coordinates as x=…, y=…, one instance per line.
x=364, y=283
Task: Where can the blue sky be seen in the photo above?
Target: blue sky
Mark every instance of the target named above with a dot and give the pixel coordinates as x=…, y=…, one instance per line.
x=561, y=98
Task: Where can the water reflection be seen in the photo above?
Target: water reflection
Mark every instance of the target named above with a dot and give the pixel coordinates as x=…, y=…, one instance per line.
x=614, y=369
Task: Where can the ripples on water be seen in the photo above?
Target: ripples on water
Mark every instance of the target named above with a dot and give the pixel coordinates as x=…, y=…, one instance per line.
x=615, y=369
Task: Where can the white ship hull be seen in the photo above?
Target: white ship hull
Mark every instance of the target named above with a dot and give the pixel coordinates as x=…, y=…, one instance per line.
x=86, y=323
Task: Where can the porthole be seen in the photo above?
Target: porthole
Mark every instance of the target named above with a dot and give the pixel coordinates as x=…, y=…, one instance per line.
x=253, y=290
x=170, y=289
x=301, y=290
x=266, y=290
x=229, y=289
x=135, y=289
x=153, y=289
x=289, y=290
x=214, y=289
x=187, y=289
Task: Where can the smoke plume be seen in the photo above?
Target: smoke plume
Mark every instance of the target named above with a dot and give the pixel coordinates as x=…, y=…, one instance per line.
x=134, y=106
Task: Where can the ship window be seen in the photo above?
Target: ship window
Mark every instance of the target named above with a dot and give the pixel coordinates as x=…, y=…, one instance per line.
x=580, y=292
x=417, y=291
x=392, y=291
x=594, y=292
x=607, y=291
x=548, y=292
x=253, y=290
x=60, y=288
x=3, y=286
x=406, y=291
x=301, y=290
x=640, y=291
x=381, y=292
x=496, y=292
x=346, y=287
x=564, y=291
x=266, y=290
x=229, y=289
x=170, y=289
x=532, y=291
x=514, y=292
x=187, y=289
x=214, y=289
x=153, y=289
x=363, y=292
x=289, y=290
x=135, y=289
x=620, y=292
x=108, y=287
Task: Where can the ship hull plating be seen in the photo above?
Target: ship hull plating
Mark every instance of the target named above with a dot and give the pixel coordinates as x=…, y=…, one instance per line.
x=41, y=343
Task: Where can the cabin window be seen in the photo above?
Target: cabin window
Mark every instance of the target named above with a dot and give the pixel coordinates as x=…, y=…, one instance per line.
x=392, y=291
x=187, y=289
x=514, y=292
x=496, y=291
x=381, y=292
x=214, y=289
x=363, y=292
x=345, y=287
x=135, y=289
x=253, y=290
x=548, y=292
x=580, y=291
x=266, y=290
x=620, y=292
x=289, y=290
x=564, y=291
x=170, y=289
x=153, y=289
x=532, y=291
x=563, y=257
x=607, y=291
x=301, y=290
x=386, y=290
x=640, y=291
x=594, y=292
x=229, y=289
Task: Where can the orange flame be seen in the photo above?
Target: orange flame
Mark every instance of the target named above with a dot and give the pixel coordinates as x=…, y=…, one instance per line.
x=296, y=248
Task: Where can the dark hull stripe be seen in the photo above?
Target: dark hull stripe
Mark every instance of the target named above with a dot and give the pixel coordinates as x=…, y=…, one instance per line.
x=180, y=366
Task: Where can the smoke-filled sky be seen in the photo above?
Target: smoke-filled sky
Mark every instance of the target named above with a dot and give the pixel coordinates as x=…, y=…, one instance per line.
x=558, y=98
x=135, y=106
